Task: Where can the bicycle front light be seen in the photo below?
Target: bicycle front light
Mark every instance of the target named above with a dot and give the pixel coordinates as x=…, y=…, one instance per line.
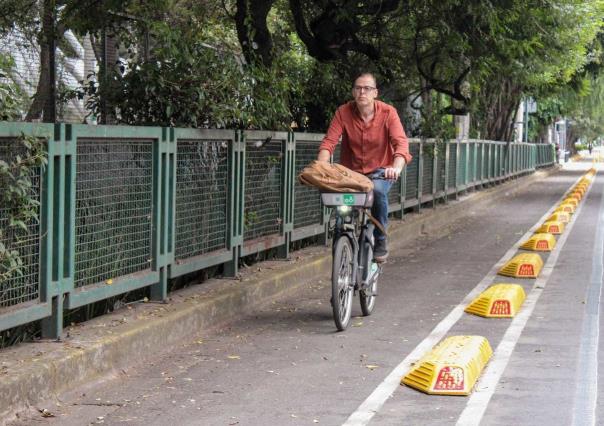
x=344, y=209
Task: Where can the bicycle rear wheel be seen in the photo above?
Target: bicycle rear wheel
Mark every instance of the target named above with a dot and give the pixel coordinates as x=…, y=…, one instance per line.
x=341, y=283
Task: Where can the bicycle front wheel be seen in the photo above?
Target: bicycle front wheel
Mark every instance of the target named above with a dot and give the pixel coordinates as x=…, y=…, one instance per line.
x=371, y=272
x=341, y=283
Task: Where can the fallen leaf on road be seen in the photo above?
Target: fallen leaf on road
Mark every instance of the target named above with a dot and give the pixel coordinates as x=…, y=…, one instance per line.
x=372, y=367
x=45, y=412
x=233, y=357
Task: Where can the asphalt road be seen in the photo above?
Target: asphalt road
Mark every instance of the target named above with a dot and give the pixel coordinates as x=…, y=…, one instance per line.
x=286, y=365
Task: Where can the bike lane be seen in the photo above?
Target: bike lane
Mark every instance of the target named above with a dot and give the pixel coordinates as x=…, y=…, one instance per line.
x=285, y=364
x=535, y=374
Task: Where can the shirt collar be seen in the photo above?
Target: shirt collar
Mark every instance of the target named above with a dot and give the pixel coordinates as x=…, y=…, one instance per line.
x=376, y=108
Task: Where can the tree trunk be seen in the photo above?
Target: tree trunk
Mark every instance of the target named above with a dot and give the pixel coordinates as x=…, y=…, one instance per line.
x=44, y=102
x=500, y=100
x=252, y=31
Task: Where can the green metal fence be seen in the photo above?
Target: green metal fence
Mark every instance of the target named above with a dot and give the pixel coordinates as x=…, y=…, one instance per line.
x=123, y=208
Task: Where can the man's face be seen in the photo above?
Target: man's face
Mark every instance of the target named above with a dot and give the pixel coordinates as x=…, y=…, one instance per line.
x=364, y=90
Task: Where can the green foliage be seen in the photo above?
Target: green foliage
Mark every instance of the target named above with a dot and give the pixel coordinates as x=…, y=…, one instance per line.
x=184, y=65
x=16, y=200
x=581, y=147
x=186, y=82
x=582, y=104
x=250, y=218
x=10, y=95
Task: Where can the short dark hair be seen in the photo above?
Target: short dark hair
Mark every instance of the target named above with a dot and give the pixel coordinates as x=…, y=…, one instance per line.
x=363, y=74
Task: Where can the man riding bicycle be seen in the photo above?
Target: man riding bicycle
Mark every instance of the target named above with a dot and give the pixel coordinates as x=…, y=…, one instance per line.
x=373, y=143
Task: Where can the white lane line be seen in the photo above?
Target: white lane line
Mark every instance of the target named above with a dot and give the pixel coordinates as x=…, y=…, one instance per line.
x=363, y=415
x=586, y=396
x=484, y=389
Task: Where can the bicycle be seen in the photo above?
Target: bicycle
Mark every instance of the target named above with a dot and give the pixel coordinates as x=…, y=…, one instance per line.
x=353, y=268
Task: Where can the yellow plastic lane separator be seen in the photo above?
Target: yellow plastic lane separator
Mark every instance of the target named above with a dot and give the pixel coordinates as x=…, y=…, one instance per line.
x=559, y=217
x=542, y=241
x=525, y=265
x=452, y=367
x=551, y=227
x=498, y=301
x=565, y=208
x=576, y=195
x=571, y=201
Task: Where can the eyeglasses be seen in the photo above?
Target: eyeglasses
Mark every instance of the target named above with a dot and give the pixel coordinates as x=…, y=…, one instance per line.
x=360, y=89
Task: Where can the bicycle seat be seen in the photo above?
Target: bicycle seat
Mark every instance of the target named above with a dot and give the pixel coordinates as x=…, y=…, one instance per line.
x=353, y=199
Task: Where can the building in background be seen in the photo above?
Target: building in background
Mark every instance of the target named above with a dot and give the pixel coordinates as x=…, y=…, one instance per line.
x=75, y=60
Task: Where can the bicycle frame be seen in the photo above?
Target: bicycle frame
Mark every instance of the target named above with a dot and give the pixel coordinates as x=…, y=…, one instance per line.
x=352, y=266
x=357, y=233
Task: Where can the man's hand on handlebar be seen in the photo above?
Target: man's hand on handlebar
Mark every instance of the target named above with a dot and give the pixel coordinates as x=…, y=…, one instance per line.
x=395, y=171
x=392, y=173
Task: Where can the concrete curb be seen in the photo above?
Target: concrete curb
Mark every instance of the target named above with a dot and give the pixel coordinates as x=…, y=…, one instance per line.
x=31, y=373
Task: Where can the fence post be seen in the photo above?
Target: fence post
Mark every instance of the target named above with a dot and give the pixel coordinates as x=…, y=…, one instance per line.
x=524, y=159
x=472, y=164
x=447, y=171
x=47, y=198
x=403, y=192
x=434, y=173
x=457, y=167
x=509, y=151
x=288, y=167
x=164, y=205
x=488, y=160
x=467, y=168
x=236, y=199
x=502, y=162
x=485, y=166
x=420, y=174
x=58, y=227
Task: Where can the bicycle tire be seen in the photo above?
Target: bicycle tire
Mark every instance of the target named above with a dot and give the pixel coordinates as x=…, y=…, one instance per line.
x=341, y=283
x=368, y=300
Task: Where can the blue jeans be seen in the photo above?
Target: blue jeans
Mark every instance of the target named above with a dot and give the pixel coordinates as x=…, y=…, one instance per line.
x=379, y=210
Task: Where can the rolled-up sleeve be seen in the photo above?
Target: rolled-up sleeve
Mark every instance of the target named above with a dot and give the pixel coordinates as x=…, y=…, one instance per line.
x=332, y=137
x=397, y=137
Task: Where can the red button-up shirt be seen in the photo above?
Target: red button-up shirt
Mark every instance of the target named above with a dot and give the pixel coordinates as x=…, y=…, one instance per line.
x=367, y=146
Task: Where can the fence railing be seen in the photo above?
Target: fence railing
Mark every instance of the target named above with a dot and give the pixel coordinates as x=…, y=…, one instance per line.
x=122, y=208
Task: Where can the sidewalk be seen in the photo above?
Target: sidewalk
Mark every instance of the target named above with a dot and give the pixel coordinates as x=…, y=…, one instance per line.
x=37, y=371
